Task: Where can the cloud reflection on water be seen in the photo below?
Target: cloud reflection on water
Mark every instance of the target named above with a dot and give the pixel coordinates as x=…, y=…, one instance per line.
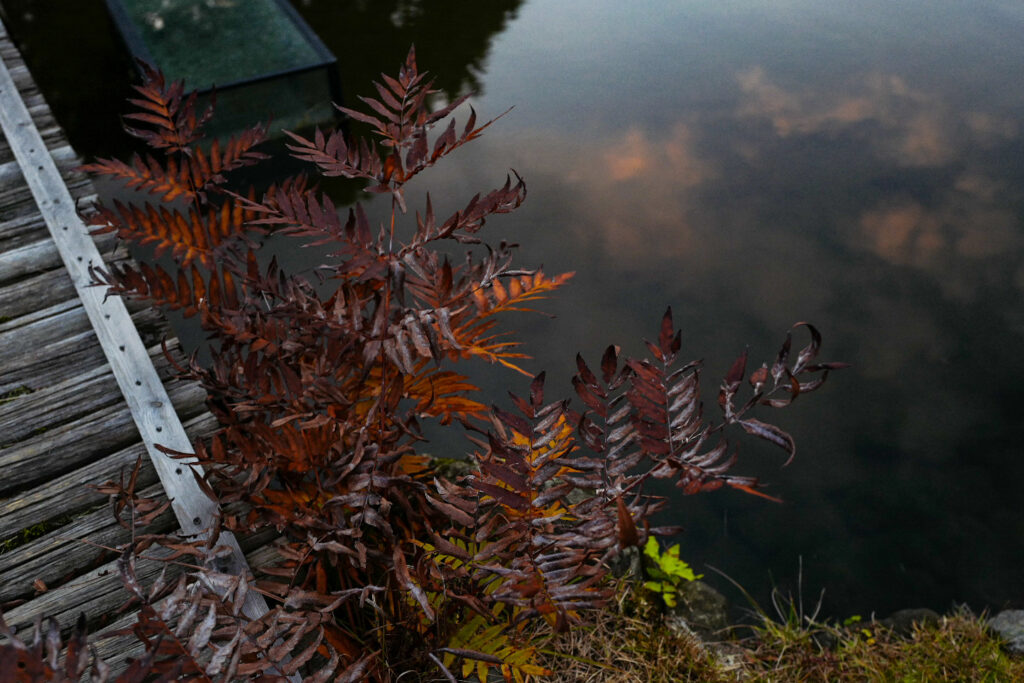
x=911, y=127
x=653, y=197
x=884, y=210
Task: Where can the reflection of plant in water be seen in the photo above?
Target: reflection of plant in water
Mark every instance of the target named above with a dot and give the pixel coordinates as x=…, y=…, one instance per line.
x=455, y=36
x=386, y=564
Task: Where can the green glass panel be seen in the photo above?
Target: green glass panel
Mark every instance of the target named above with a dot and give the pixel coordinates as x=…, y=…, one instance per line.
x=298, y=101
x=209, y=42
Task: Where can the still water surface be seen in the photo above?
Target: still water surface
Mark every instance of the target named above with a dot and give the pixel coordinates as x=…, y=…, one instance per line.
x=858, y=165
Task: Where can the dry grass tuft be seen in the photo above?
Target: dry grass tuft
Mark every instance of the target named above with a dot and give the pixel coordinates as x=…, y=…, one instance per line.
x=633, y=644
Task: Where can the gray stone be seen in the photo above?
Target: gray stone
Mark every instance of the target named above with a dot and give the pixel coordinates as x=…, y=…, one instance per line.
x=902, y=621
x=1009, y=625
x=703, y=609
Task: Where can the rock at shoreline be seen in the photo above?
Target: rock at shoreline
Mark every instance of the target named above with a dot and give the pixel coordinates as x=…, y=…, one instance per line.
x=1009, y=625
x=902, y=621
x=702, y=608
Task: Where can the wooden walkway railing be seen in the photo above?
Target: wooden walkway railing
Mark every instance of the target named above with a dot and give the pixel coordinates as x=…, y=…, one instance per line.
x=84, y=388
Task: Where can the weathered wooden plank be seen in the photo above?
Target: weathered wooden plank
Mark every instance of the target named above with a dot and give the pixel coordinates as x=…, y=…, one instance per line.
x=80, y=350
x=32, y=224
x=86, y=541
x=83, y=393
x=96, y=593
x=40, y=326
x=37, y=367
x=75, y=444
x=74, y=546
x=17, y=199
x=21, y=77
x=147, y=399
x=71, y=492
x=117, y=650
x=53, y=136
x=10, y=171
x=22, y=230
x=39, y=291
x=99, y=592
x=30, y=259
x=40, y=411
x=44, y=290
x=80, y=545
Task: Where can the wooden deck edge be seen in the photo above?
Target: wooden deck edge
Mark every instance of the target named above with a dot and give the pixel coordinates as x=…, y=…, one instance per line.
x=143, y=391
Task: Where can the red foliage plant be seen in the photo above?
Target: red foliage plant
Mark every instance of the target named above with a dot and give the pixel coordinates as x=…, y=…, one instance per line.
x=385, y=564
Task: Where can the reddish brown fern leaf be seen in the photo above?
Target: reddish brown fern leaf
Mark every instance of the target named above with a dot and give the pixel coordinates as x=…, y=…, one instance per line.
x=40, y=659
x=187, y=236
x=147, y=174
x=170, y=116
x=190, y=291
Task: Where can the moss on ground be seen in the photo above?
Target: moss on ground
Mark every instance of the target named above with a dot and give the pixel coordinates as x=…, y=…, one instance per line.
x=33, y=532
x=13, y=394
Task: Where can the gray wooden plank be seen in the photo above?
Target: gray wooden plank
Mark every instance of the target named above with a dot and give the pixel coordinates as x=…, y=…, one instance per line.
x=52, y=135
x=84, y=543
x=10, y=171
x=22, y=230
x=82, y=393
x=73, y=445
x=17, y=199
x=29, y=259
x=53, y=360
x=39, y=291
x=98, y=592
x=147, y=399
x=31, y=227
x=71, y=493
x=93, y=538
x=45, y=289
x=116, y=650
x=52, y=363
x=39, y=327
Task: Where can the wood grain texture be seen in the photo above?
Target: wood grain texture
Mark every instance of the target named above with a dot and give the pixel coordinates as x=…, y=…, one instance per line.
x=96, y=593
x=84, y=543
x=74, y=444
x=29, y=259
x=38, y=291
x=82, y=393
x=39, y=365
x=99, y=592
x=69, y=493
x=43, y=290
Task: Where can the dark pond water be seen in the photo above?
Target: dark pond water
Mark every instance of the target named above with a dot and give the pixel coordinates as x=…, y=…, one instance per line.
x=859, y=165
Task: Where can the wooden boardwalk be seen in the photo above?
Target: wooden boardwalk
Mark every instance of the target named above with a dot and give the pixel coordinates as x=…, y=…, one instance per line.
x=65, y=421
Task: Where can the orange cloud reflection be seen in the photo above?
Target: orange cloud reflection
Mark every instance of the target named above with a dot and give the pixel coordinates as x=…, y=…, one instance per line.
x=633, y=192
